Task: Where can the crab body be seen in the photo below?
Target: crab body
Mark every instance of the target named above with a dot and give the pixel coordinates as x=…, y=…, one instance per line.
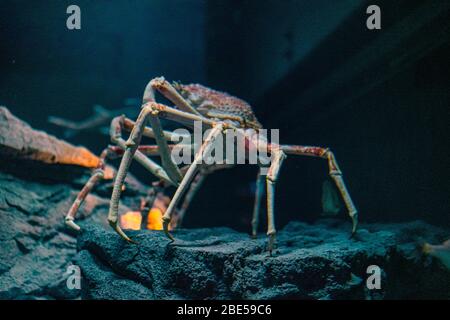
x=212, y=103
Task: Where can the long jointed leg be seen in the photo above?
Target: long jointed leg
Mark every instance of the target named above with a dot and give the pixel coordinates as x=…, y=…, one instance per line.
x=70, y=217
x=336, y=175
x=97, y=175
x=148, y=132
x=171, y=168
x=131, y=151
x=277, y=159
x=168, y=91
x=131, y=147
x=334, y=171
x=157, y=110
x=204, y=149
x=172, y=94
x=257, y=206
x=116, y=136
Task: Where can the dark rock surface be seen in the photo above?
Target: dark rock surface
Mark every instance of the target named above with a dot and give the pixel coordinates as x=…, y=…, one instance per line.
x=35, y=246
x=312, y=262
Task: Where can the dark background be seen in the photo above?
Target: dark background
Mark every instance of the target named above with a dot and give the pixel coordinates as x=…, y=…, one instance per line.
x=378, y=98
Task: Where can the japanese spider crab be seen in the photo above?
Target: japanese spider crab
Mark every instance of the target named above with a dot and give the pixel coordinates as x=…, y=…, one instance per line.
x=215, y=110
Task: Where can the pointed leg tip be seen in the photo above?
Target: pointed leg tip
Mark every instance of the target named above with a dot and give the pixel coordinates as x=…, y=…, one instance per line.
x=170, y=237
x=132, y=241
x=166, y=230
x=125, y=237
x=121, y=233
x=353, y=233
x=72, y=225
x=354, y=224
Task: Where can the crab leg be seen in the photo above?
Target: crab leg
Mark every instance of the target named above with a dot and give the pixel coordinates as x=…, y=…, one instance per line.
x=334, y=172
x=148, y=132
x=97, y=175
x=95, y=178
x=171, y=168
x=116, y=137
x=278, y=157
x=168, y=91
x=70, y=217
x=154, y=150
x=172, y=94
x=156, y=110
x=257, y=206
x=131, y=151
x=181, y=116
x=131, y=146
x=205, y=148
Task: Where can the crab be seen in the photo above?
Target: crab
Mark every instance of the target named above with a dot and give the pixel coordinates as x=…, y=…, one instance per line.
x=219, y=113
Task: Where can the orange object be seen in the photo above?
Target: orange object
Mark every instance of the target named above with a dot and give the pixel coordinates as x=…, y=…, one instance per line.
x=131, y=220
x=154, y=220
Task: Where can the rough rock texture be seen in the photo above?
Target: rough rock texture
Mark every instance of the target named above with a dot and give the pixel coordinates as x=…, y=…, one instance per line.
x=312, y=262
x=35, y=246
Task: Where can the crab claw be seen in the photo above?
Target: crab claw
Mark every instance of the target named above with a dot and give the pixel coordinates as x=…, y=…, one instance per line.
x=117, y=228
x=166, y=222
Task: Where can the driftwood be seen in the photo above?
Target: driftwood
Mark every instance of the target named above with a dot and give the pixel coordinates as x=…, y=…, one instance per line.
x=19, y=141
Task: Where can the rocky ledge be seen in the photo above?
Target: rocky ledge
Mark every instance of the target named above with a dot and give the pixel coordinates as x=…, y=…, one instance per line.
x=316, y=261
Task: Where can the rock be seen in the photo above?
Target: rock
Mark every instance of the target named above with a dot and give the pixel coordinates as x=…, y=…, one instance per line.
x=312, y=262
x=35, y=246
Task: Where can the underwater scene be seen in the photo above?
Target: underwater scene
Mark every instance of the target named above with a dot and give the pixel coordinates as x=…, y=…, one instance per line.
x=225, y=150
